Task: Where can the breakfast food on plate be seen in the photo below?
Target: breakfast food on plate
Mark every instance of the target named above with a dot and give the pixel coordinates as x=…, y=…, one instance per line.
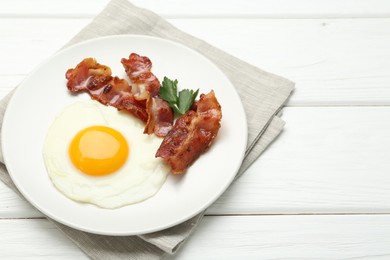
x=194, y=130
x=101, y=155
x=192, y=134
x=98, y=155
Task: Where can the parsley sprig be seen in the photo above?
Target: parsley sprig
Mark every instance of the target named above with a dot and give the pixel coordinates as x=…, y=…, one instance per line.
x=180, y=102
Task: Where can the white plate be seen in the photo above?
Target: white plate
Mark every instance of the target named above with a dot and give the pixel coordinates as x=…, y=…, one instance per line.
x=43, y=95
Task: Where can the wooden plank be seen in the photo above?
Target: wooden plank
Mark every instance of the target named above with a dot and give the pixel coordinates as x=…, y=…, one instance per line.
x=35, y=239
x=204, y=8
x=290, y=237
x=260, y=237
x=327, y=160
x=26, y=43
x=13, y=206
x=333, y=62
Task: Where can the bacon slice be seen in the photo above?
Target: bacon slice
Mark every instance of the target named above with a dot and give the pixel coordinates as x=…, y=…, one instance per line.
x=96, y=79
x=160, y=118
x=144, y=82
x=146, y=87
x=192, y=134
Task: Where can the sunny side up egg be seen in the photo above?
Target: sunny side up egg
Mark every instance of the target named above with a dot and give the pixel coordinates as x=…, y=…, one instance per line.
x=117, y=170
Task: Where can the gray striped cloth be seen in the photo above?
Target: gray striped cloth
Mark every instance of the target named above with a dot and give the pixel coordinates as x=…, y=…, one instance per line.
x=263, y=95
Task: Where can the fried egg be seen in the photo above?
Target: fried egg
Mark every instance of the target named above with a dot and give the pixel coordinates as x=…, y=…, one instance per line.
x=98, y=155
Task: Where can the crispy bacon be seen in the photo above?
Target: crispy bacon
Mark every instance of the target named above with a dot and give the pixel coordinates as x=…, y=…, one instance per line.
x=96, y=79
x=192, y=134
x=160, y=118
x=146, y=87
x=144, y=82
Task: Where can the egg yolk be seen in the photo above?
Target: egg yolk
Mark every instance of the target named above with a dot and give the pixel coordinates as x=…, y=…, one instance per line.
x=98, y=150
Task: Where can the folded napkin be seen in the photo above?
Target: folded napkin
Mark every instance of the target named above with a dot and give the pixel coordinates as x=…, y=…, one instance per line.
x=263, y=94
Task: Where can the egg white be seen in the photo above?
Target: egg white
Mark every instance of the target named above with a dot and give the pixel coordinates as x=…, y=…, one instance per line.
x=138, y=179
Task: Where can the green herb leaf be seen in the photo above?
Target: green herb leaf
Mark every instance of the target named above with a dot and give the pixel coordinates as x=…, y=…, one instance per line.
x=168, y=90
x=180, y=103
x=186, y=99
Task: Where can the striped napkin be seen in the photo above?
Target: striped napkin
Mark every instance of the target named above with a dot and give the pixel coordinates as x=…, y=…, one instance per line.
x=262, y=94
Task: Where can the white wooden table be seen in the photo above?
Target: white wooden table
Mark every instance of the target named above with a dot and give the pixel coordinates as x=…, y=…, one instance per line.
x=321, y=191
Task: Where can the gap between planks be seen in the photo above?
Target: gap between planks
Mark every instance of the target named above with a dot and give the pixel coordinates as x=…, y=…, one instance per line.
x=314, y=16
x=250, y=215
